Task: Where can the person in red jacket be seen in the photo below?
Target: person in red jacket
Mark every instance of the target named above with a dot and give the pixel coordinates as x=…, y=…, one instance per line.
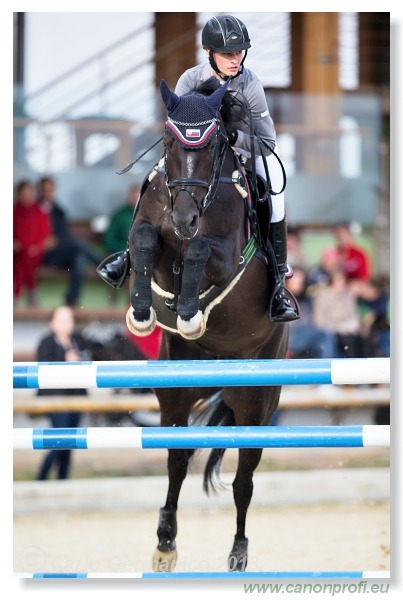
x=355, y=261
x=32, y=235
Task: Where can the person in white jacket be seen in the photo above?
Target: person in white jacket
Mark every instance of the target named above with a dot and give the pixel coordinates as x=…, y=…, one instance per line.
x=226, y=42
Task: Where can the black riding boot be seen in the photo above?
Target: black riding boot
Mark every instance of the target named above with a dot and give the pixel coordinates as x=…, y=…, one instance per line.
x=114, y=269
x=280, y=309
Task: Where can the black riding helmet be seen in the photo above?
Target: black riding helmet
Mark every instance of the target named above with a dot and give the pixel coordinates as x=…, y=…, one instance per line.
x=225, y=34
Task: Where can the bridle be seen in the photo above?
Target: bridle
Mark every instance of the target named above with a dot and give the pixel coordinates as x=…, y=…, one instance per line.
x=212, y=128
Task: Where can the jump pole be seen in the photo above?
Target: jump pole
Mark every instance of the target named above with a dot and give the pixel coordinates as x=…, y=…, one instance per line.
x=87, y=438
x=202, y=373
x=362, y=575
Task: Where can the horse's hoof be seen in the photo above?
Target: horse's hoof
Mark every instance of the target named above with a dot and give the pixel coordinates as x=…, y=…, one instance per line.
x=164, y=562
x=141, y=328
x=192, y=329
x=238, y=558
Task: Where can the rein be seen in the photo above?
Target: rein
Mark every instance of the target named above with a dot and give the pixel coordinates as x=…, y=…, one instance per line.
x=195, y=136
x=131, y=165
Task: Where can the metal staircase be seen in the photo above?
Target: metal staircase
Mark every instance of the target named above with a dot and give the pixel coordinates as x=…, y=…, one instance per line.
x=101, y=112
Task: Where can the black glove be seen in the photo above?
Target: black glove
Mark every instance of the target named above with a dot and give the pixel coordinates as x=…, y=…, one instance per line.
x=232, y=134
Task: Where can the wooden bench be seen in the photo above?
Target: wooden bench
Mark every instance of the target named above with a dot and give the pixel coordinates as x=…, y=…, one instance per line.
x=292, y=398
x=44, y=273
x=44, y=405
x=83, y=316
x=82, y=230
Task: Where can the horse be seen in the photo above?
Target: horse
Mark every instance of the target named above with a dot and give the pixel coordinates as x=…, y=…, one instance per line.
x=197, y=270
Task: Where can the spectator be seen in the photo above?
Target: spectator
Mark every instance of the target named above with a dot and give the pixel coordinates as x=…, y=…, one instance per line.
x=374, y=300
x=356, y=262
x=306, y=340
x=62, y=344
x=329, y=263
x=335, y=308
x=116, y=235
x=32, y=235
x=68, y=252
x=149, y=345
x=295, y=252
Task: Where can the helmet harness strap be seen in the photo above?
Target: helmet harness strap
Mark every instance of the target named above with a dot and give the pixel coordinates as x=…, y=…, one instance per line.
x=213, y=65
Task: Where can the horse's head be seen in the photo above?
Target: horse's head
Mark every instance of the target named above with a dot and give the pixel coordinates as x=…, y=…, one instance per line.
x=194, y=149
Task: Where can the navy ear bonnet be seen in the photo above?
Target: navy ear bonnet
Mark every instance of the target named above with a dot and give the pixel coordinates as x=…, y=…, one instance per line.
x=192, y=118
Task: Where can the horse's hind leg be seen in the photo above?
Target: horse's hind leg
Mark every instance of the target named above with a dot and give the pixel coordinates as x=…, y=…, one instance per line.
x=242, y=486
x=173, y=412
x=143, y=243
x=254, y=407
x=165, y=555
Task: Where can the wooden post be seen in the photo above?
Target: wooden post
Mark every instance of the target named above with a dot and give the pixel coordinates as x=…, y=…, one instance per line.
x=175, y=45
x=315, y=44
x=315, y=75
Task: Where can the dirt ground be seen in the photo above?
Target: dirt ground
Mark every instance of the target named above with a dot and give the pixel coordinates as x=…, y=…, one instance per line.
x=347, y=536
x=338, y=536
x=137, y=462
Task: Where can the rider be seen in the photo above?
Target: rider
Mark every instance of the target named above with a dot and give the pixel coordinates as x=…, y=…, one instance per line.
x=226, y=41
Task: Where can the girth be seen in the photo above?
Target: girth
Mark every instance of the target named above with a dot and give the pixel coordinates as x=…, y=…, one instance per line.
x=161, y=299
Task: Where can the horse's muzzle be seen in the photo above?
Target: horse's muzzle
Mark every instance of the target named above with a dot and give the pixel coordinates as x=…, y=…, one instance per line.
x=184, y=229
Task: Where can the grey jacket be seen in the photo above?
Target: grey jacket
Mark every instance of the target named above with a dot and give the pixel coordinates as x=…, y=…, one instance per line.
x=248, y=89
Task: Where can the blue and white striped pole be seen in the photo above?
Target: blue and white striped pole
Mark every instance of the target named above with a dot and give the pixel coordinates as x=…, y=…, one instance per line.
x=87, y=438
x=217, y=575
x=202, y=373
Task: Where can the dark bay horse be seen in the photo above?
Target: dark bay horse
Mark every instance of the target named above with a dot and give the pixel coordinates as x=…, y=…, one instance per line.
x=197, y=271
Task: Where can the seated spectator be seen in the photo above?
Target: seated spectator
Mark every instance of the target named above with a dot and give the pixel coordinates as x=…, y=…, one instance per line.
x=148, y=345
x=295, y=252
x=32, y=235
x=306, y=340
x=117, y=233
x=68, y=251
x=374, y=298
x=355, y=261
x=374, y=301
x=329, y=263
x=335, y=308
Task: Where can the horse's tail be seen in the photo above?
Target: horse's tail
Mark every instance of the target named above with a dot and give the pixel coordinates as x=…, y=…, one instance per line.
x=216, y=413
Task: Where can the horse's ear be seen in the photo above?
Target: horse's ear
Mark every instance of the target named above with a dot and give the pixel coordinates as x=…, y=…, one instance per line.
x=214, y=101
x=169, y=97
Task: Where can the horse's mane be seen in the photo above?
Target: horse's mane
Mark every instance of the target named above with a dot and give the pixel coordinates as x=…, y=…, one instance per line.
x=206, y=88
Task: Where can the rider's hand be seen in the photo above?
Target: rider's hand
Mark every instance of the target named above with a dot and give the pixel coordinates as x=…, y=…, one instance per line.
x=232, y=134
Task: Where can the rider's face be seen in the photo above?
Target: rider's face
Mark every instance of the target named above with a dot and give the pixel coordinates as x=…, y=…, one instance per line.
x=228, y=64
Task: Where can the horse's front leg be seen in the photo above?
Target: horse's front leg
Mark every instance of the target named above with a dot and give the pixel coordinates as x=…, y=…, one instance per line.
x=143, y=243
x=190, y=320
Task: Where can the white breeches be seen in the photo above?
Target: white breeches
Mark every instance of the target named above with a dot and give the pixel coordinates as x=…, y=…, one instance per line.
x=276, y=178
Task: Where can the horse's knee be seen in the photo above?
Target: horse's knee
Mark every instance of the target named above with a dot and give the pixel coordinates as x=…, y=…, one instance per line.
x=143, y=238
x=198, y=251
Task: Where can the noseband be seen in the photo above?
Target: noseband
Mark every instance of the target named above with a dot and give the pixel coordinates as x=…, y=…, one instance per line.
x=209, y=128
